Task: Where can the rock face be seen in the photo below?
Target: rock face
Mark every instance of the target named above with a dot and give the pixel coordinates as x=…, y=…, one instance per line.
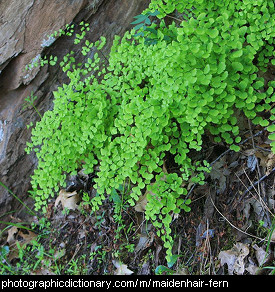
x=25, y=27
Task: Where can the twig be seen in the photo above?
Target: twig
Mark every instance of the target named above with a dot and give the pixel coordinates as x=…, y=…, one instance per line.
x=259, y=199
x=174, y=18
x=227, y=151
x=257, y=182
x=78, y=246
x=257, y=163
x=248, y=234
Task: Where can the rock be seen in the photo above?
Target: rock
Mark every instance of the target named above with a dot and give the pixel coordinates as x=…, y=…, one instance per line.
x=25, y=28
x=27, y=25
x=12, y=27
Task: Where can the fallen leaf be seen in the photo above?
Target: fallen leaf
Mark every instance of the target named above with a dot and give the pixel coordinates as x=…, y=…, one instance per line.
x=252, y=162
x=234, y=258
x=261, y=255
x=68, y=200
x=146, y=238
x=219, y=173
x=270, y=163
x=267, y=162
x=27, y=236
x=16, y=236
x=273, y=236
x=142, y=243
x=145, y=269
x=121, y=269
x=59, y=254
x=141, y=203
x=145, y=241
x=262, y=158
x=251, y=268
x=43, y=272
x=183, y=272
x=12, y=232
x=23, y=236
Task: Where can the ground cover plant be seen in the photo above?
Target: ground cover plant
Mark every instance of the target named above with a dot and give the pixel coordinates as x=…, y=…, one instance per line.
x=164, y=87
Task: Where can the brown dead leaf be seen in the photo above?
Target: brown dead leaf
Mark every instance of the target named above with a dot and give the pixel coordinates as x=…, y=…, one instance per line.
x=182, y=272
x=262, y=158
x=261, y=255
x=252, y=268
x=59, y=253
x=12, y=232
x=219, y=173
x=273, y=236
x=27, y=236
x=146, y=237
x=16, y=236
x=270, y=163
x=141, y=203
x=267, y=162
x=248, y=152
x=234, y=258
x=43, y=272
x=68, y=200
x=121, y=269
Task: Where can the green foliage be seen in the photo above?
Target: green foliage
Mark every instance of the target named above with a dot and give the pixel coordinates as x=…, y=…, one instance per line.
x=144, y=24
x=29, y=100
x=158, y=97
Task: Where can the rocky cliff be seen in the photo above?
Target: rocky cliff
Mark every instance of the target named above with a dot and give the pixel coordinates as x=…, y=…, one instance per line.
x=25, y=27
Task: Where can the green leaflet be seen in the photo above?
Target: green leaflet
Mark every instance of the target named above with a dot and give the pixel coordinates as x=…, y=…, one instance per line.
x=237, y=66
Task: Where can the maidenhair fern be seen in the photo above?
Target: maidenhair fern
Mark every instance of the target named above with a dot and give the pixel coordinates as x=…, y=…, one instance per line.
x=158, y=97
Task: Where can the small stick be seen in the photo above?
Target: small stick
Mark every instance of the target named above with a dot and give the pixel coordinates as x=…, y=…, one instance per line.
x=227, y=151
x=251, y=235
x=257, y=182
x=260, y=186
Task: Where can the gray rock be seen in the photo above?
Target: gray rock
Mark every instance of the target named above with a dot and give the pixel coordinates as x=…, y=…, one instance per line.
x=25, y=30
